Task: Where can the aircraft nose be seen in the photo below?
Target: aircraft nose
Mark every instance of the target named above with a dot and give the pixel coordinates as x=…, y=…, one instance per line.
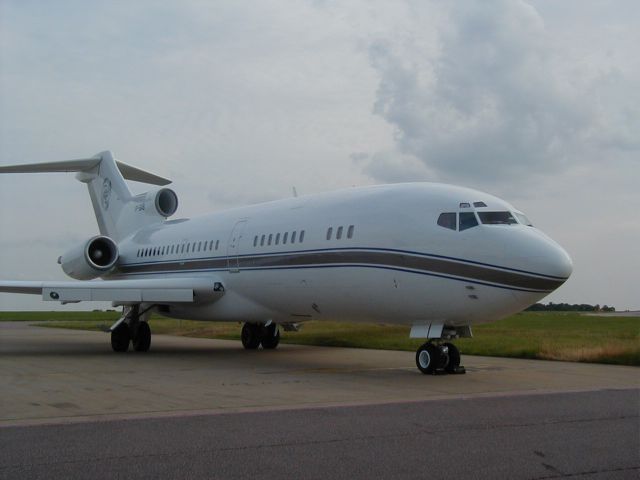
x=560, y=263
x=538, y=253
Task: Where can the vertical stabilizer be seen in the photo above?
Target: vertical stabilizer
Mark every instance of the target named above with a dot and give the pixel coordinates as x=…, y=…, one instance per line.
x=117, y=211
x=109, y=194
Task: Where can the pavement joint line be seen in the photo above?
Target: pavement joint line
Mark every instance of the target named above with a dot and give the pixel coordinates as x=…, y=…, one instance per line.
x=114, y=417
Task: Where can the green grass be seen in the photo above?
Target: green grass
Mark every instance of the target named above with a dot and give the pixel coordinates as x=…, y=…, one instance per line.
x=540, y=335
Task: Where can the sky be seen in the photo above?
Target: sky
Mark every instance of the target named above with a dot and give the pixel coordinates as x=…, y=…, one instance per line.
x=237, y=102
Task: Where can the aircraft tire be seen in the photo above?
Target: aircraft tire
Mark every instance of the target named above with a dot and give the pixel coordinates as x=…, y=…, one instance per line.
x=427, y=358
x=454, y=358
x=142, y=338
x=271, y=337
x=250, y=336
x=120, y=338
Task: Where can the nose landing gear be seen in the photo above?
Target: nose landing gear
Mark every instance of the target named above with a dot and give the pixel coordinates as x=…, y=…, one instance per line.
x=438, y=358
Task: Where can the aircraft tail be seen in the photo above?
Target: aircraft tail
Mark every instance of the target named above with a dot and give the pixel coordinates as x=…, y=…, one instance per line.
x=117, y=211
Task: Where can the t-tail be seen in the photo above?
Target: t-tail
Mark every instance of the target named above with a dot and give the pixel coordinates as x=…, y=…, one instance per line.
x=118, y=212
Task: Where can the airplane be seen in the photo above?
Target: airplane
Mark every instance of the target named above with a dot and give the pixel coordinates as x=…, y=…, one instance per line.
x=438, y=258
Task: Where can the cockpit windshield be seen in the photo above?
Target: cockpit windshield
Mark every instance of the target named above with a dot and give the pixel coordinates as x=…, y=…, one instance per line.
x=497, y=218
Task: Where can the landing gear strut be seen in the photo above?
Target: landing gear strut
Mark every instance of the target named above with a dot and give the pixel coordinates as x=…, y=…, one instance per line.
x=131, y=328
x=441, y=358
x=254, y=334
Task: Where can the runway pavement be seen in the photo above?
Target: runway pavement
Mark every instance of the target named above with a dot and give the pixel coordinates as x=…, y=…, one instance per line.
x=71, y=408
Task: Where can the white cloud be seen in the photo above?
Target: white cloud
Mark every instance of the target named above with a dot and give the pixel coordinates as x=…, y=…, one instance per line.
x=494, y=97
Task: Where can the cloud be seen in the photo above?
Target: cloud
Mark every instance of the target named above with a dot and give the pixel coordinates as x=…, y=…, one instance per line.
x=494, y=97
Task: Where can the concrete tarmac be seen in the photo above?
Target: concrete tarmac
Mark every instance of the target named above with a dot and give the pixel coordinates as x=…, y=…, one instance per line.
x=71, y=408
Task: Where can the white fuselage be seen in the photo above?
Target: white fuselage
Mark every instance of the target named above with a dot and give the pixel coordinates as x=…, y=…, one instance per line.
x=393, y=263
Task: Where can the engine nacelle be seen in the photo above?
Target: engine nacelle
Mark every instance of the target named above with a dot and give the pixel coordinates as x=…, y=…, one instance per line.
x=90, y=259
x=162, y=201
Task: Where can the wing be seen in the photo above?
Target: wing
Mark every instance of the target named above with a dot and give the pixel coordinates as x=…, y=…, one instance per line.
x=165, y=290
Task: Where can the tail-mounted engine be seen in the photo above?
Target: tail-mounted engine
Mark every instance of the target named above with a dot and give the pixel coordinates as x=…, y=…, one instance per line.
x=161, y=201
x=90, y=259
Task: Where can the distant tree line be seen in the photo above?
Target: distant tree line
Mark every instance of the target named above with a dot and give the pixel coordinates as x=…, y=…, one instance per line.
x=568, y=307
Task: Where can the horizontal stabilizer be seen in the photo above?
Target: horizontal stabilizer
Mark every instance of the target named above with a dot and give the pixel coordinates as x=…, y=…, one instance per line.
x=138, y=175
x=84, y=165
x=79, y=165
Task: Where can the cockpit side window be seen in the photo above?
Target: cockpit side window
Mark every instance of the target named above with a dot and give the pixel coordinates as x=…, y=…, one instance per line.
x=523, y=219
x=447, y=220
x=497, y=218
x=467, y=220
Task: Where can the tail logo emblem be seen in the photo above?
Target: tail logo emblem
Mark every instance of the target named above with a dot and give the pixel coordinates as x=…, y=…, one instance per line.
x=106, y=193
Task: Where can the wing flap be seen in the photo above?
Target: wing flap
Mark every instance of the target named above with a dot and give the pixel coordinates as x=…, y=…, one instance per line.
x=168, y=290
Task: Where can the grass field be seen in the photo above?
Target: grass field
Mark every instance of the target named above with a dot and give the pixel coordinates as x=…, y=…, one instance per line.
x=542, y=335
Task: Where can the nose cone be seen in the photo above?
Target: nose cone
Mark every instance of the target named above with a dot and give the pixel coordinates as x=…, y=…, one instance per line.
x=539, y=254
x=559, y=262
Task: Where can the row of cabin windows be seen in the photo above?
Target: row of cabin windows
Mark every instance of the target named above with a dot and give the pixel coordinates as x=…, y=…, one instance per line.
x=339, y=232
x=277, y=238
x=176, y=249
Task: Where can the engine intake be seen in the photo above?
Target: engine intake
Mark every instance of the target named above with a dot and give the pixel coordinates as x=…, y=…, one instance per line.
x=163, y=202
x=90, y=259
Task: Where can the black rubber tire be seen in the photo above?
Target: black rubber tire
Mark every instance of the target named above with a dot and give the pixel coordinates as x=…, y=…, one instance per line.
x=250, y=336
x=454, y=357
x=427, y=358
x=120, y=338
x=270, y=337
x=142, y=338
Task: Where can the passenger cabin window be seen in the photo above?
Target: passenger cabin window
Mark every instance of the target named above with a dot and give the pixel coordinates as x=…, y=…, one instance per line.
x=270, y=239
x=293, y=237
x=497, y=218
x=255, y=241
x=301, y=236
x=447, y=220
x=284, y=237
x=467, y=220
x=277, y=239
x=350, y=231
x=339, y=233
x=329, y=233
x=217, y=244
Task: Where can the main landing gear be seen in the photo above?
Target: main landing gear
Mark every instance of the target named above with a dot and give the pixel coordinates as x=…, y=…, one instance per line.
x=438, y=358
x=131, y=329
x=254, y=334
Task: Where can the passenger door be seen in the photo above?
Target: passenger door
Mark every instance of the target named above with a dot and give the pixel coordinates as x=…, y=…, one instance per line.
x=233, y=247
